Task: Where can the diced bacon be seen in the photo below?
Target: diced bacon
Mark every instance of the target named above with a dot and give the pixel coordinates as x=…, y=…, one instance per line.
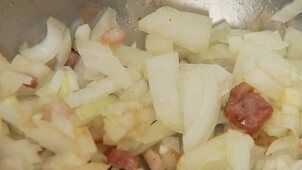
x=121, y=159
x=73, y=59
x=33, y=84
x=247, y=109
x=113, y=37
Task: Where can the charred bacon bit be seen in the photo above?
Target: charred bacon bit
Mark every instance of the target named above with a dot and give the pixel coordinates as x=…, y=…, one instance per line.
x=246, y=109
x=33, y=84
x=73, y=59
x=113, y=37
x=121, y=159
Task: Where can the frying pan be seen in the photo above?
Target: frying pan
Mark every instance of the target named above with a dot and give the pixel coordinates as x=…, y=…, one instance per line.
x=25, y=20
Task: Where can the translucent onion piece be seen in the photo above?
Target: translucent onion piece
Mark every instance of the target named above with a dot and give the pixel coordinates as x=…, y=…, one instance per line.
x=202, y=89
x=85, y=95
x=107, y=21
x=65, y=50
x=288, y=12
x=163, y=75
x=83, y=32
x=173, y=24
x=50, y=46
x=99, y=57
x=30, y=67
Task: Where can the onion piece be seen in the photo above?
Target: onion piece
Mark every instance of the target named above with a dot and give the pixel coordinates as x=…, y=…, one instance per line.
x=64, y=52
x=174, y=25
x=99, y=57
x=30, y=67
x=93, y=166
x=68, y=160
x=20, y=148
x=163, y=75
x=294, y=38
x=50, y=137
x=11, y=81
x=158, y=44
x=63, y=82
x=99, y=89
x=238, y=150
x=83, y=32
x=50, y=46
x=202, y=88
x=107, y=21
x=154, y=133
x=288, y=12
x=282, y=144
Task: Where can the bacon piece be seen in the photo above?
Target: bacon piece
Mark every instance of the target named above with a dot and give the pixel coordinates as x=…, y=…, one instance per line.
x=246, y=109
x=73, y=59
x=121, y=159
x=33, y=84
x=113, y=37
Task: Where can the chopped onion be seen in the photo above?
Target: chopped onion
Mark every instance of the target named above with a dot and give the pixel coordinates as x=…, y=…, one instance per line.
x=294, y=38
x=93, y=166
x=20, y=148
x=276, y=66
x=80, y=70
x=54, y=141
x=173, y=24
x=238, y=150
x=62, y=124
x=69, y=160
x=89, y=111
x=63, y=82
x=212, y=153
x=116, y=126
x=65, y=50
x=288, y=12
x=83, y=32
x=93, y=75
x=163, y=76
x=107, y=21
x=136, y=92
x=220, y=33
x=202, y=89
x=273, y=127
x=235, y=44
x=30, y=67
x=154, y=133
x=218, y=53
x=282, y=144
x=11, y=81
x=172, y=143
x=264, y=83
x=85, y=95
x=158, y=44
x=271, y=40
x=85, y=142
x=133, y=59
x=99, y=57
x=50, y=46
